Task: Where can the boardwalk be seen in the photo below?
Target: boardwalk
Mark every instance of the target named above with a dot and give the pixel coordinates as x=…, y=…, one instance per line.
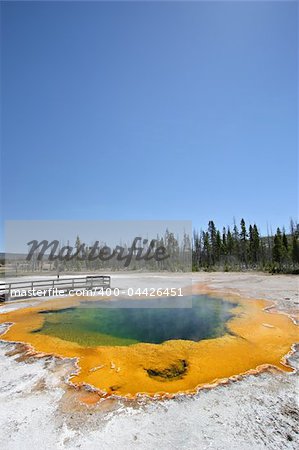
x=25, y=288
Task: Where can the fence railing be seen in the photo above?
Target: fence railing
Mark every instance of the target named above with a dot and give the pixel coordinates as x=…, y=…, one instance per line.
x=50, y=285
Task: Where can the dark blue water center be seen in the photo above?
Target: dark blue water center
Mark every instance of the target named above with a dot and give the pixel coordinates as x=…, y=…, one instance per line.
x=127, y=322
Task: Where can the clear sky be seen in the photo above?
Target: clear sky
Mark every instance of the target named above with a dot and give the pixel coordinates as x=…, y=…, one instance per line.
x=150, y=111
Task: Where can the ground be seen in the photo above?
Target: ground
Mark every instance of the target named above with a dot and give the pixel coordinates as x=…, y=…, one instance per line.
x=38, y=410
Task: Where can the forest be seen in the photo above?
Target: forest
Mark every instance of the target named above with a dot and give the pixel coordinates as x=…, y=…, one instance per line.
x=239, y=247
x=243, y=248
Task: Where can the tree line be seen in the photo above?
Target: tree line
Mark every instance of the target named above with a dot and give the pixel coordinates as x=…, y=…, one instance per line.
x=242, y=247
x=239, y=247
x=177, y=250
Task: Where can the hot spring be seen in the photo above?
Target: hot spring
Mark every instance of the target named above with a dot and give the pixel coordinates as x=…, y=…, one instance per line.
x=123, y=322
x=159, y=346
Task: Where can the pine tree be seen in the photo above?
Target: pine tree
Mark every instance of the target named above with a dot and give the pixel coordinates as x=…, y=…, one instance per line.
x=251, y=251
x=196, y=254
x=229, y=242
x=285, y=241
x=206, y=249
x=277, y=252
x=243, y=242
x=224, y=246
x=286, y=251
x=236, y=250
x=213, y=240
x=256, y=243
x=218, y=246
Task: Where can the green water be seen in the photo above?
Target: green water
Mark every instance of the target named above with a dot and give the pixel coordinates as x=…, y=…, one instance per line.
x=109, y=323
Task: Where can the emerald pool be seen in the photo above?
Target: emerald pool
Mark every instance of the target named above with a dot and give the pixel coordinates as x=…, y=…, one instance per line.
x=126, y=322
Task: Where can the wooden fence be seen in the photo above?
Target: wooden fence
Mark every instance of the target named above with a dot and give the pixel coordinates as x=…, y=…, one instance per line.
x=50, y=285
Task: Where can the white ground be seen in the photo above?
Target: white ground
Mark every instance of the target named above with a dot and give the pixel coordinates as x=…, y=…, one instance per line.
x=39, y=411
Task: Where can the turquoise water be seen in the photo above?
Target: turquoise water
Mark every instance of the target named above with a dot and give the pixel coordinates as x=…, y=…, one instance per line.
x=154, y=321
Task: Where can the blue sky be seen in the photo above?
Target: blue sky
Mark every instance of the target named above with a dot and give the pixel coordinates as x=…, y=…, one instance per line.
x=150, y=111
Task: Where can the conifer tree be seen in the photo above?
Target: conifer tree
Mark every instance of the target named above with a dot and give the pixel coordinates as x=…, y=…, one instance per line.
x=285, y=241
x=277, y=252
x=243, y=242
x=224, y=246
x=206, y=248
x=236, y=250
x=213, y=240
x=251, y=251
x=218, y=246
x=229, y=242
x=256, y=243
